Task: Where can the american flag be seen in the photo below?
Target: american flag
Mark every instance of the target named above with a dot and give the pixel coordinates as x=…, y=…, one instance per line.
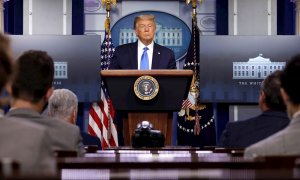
x=101, y=113
x=186, y=104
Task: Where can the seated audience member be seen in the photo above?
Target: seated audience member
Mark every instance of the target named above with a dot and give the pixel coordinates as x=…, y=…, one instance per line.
x=24, y=142
x=284, y=142
x=63, y=105
x=30, y=89
x=241, y=134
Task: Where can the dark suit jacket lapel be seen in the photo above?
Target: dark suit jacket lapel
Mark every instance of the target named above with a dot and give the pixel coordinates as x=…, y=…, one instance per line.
x=155, y=57
x=134, y=55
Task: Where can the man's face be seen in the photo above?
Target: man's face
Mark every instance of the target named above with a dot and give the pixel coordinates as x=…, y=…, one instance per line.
x=145, y=31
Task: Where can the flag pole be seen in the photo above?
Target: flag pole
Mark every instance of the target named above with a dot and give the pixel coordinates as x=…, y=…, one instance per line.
x=107, y=4
x=195, y=86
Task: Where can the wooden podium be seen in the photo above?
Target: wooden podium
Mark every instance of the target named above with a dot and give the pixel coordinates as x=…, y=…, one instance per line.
x=173, y=89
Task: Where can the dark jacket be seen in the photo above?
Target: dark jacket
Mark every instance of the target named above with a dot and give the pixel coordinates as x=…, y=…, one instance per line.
x=126, y=57
x=91, y=140
x=241, y=134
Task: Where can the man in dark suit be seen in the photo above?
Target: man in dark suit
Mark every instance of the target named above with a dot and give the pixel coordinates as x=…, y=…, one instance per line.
x=129, y=56
x=24, y=142
x=284, y=142
x=273, y=118
x=63, y=105
x=30, y=89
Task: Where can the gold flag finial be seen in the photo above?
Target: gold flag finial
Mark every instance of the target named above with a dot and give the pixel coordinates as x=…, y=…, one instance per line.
x=194, y=2
x=108, y=4
x=194, y=5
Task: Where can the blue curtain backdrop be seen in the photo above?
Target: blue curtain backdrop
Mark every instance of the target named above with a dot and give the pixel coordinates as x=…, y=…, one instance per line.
x=286, y=17
x=78, y=29
x=221, y=17
x=77, y=17
x=221, y=111
x=13, y=17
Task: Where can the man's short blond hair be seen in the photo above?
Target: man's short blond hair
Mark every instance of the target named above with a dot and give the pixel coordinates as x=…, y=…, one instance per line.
x=150, y=17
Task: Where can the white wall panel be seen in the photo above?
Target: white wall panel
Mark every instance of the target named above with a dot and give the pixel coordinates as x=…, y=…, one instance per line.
x=171, y=7
x=253, y=17
x=94, y=22
x=47, y=17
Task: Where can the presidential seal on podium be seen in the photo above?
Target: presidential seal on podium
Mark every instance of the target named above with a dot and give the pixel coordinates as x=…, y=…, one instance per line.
x=146, y=87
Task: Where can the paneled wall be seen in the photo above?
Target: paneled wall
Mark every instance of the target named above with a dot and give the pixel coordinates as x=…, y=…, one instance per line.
x=47, y=17
x=95, y=14
x=255, y=17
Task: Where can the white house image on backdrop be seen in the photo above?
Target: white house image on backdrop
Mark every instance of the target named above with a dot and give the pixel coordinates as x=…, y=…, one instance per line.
x=164, y=36
x=60, y=70
x=255, y=68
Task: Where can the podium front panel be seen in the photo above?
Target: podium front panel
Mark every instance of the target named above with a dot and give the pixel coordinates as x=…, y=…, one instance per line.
x=169, y=97
x=172, y=91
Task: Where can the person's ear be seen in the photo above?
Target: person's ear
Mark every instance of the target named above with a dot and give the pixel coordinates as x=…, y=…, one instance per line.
x=262, y=95
x=74, y=116
x=49, y=93
x=284, y=96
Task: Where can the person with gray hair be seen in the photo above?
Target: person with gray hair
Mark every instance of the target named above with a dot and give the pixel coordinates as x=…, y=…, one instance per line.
x=63, y=105
x=30, y=89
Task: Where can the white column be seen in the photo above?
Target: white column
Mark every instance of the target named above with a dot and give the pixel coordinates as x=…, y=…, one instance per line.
x=269, y=17
x=64, y=17
x=30, y=17
x=297, y=2
x=235, y=113
x=235, y=14
x=1, y=16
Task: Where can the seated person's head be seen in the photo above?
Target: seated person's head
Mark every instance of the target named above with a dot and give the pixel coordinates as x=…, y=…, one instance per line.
x=33, y=77
x=290, y=90
x=270, y=97
x=63, y=105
